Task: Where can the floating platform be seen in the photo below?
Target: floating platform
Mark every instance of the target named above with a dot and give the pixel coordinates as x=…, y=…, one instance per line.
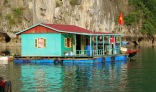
x=69, y=59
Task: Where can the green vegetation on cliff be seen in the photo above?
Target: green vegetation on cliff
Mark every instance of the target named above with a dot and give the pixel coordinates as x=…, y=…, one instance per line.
x=144, y=11
x=15, y=16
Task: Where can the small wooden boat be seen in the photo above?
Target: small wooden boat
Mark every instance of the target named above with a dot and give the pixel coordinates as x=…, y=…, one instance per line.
x=132, y=52
x=5, y=59
x=5, y=85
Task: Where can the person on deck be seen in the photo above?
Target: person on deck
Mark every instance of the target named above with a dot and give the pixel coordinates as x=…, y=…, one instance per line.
x=112, y=42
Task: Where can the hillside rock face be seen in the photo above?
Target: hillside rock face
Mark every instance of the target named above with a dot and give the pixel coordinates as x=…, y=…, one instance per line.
x=95, y=15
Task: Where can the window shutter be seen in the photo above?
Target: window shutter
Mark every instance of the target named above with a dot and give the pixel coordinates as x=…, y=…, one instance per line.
x=65, y=42
x=70, y=42
x=35, y=42
x=44, y=42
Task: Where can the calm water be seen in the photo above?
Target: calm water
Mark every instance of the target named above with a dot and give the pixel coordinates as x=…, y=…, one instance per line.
x=137, y=75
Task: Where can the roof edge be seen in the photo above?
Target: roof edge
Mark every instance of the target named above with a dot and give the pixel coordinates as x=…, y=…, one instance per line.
x=27, y=28
x=44, y=25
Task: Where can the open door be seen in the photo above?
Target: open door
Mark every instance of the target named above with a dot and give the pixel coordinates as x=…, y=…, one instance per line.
x=78, y=43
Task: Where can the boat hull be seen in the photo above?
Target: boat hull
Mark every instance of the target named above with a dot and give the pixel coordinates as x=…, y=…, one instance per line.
x=132, y=53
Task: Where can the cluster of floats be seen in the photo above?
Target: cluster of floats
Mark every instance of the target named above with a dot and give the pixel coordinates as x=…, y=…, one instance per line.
x=55, y=43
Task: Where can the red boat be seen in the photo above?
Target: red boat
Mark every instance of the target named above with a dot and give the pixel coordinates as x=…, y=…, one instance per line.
x=132, y=52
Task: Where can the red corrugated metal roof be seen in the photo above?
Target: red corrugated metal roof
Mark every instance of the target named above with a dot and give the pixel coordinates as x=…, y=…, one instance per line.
x=72, y=29
x=66, y=29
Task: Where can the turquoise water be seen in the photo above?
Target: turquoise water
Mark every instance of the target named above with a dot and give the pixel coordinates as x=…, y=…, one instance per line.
x=136, y=75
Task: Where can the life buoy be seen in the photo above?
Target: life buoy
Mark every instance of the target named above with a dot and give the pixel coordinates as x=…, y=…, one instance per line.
x=113, y=58
x=103, y=59
x=58, y=61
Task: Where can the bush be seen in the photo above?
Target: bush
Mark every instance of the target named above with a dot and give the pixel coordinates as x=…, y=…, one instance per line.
x=58, y=3
x=74, y=2
x=131, y=18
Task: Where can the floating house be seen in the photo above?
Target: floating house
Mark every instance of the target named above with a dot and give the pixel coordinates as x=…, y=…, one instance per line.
x=69, y=43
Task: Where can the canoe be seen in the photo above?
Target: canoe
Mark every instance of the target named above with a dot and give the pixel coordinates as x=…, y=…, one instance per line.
x=132, y=52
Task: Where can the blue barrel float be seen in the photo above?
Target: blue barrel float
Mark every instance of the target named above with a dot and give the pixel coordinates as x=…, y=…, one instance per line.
x=117, y=49
x=88, y=49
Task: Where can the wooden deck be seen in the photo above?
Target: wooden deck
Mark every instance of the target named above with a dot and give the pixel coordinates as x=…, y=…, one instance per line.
x=53, y=57
x=67, y=57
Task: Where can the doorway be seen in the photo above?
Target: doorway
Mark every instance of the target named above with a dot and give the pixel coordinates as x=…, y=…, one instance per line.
x=78, y=43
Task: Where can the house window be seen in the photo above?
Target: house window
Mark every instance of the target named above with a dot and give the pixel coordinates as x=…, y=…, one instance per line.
x=40, y=43
x=68, y=42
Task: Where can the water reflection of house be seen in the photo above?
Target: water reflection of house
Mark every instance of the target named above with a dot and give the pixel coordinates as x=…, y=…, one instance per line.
x=41, y=79
x=96, y=77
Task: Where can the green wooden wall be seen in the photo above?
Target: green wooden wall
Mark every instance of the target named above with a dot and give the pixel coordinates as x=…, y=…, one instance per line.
x=53, y=46
x=63, y=48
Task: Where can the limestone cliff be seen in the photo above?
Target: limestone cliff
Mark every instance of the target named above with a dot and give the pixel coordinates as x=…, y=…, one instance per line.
x=95, y=15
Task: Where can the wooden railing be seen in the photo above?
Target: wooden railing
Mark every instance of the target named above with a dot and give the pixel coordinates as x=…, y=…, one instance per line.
x=99, y=52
